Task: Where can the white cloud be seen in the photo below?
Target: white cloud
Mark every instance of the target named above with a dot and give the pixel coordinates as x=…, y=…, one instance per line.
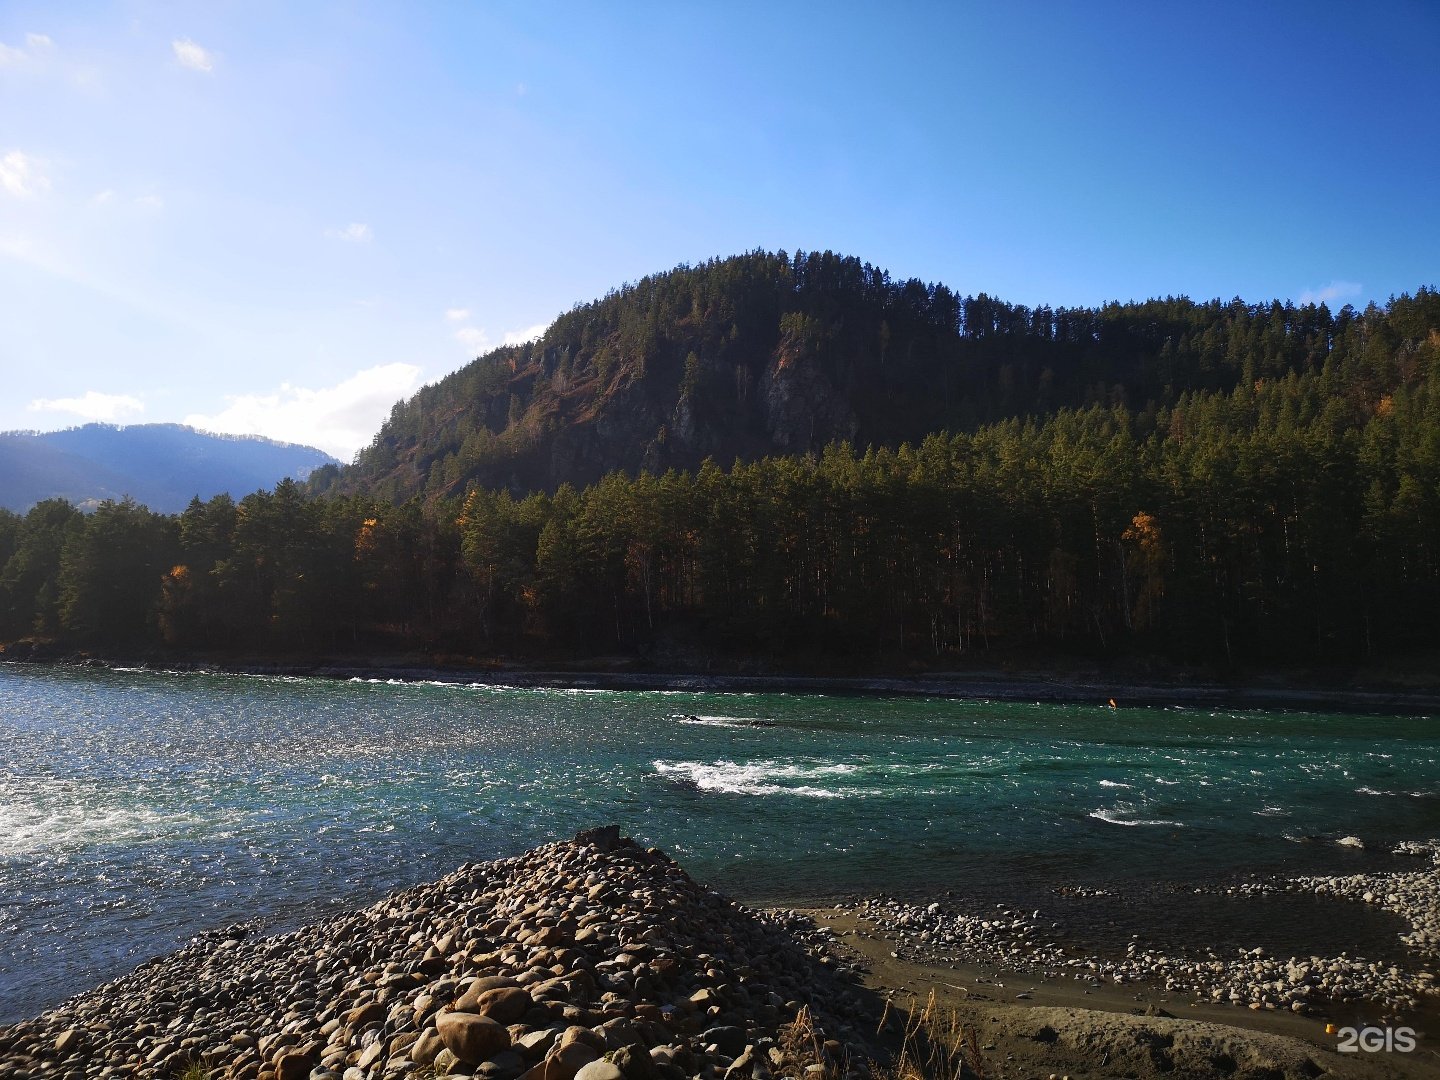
x=14, y=55
x=457, y=314
x=356, y=233
x=20, y=174
x=1329, y=294
x=102, y=198
x=193, y=56
x=520, y=337
x=339, y=419
x=93, y=405
x=474, y=339
x=478, y=341
x=150, y=202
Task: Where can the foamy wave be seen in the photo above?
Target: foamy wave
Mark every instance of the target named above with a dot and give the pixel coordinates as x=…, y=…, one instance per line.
x=755, y=778
x=1114, y=783
x=482, y=687
x=726, y=721
x=28, y=829
x=1113, y=817
x=1407, y=794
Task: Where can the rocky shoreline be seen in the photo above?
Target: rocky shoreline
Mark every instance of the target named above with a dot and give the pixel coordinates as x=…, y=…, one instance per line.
x=1308, y=985
x=593, y=958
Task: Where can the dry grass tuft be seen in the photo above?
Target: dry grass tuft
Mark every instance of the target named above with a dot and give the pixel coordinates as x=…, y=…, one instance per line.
x=937, y=1045
x=804, y=1046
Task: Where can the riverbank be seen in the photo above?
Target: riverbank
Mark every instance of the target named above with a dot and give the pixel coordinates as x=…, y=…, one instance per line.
x=597, y=959
x=1030, y=1022
x=1407, y=694
x=1013, y=974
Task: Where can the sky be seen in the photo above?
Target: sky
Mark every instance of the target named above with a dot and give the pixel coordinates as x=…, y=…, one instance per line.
x=282, y=218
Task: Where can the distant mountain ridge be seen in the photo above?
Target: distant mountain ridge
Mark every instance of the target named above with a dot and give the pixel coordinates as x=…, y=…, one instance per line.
x=162, y=466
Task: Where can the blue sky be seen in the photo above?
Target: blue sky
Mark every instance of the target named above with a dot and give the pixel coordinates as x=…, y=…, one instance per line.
x=281, y=218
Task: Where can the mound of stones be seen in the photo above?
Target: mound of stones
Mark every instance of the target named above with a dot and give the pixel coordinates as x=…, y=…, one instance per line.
x=593, y=959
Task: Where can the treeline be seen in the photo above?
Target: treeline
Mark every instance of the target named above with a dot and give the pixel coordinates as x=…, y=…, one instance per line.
x=775, y=354
x=1289, y=519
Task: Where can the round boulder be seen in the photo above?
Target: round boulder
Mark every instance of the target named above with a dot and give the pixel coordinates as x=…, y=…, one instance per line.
x=470, y=1037
x=293, y=1065
x=504, y=1004
x=600, y=1070
x=471, y=997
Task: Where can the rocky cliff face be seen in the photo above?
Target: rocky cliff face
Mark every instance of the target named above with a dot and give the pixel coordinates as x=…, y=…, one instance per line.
x=736, y=359
x=803, y=409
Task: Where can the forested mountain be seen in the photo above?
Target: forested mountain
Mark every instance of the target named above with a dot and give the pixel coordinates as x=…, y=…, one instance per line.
x=769, y=354
x=1222, y=483
x=162, y=466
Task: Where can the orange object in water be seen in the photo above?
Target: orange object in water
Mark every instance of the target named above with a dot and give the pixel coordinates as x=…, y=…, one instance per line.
x=1112, y=704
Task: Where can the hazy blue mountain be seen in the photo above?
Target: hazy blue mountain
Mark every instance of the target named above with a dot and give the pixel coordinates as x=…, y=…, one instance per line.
x=162, y=466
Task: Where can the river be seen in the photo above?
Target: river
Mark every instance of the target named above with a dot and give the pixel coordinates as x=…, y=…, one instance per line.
x=139, y=808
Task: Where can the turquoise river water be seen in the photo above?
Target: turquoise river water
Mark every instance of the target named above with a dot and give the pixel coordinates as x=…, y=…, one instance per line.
x=140, y=808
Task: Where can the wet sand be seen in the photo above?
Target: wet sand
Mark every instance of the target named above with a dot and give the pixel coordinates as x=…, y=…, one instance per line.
x=1030, y=1023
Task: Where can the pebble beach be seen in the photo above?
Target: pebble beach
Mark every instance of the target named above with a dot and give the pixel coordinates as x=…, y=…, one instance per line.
x=593, y=958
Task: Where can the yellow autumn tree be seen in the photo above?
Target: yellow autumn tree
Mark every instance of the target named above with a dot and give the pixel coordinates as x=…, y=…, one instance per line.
x=1145, y=559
